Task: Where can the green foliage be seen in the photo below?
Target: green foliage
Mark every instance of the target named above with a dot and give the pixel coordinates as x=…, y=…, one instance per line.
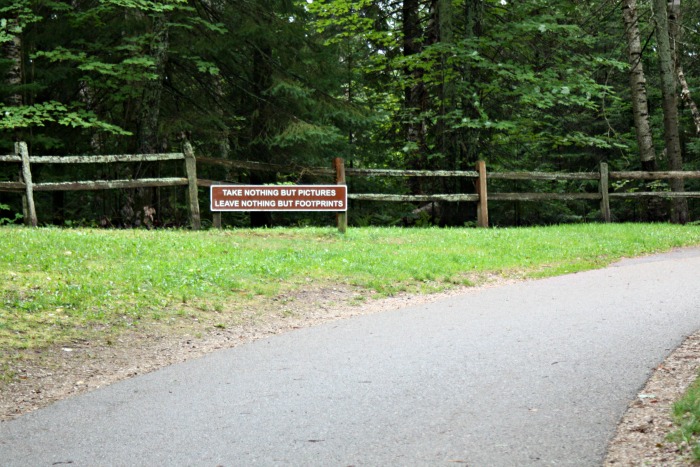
x=93, y=64
x=147, y=6
x=516, y=75
x=7, y=220
x=686, y=414
x=38, y=115
x=523, y=85
x=14, y=18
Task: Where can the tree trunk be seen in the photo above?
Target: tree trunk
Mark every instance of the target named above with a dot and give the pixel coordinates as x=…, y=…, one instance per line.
x=153, y=89
x=441, y=30
x=670, y=103
x=461, y=146
x=12, y=51
x=415, y=96
x=473, y=17
x=688, y=99
x=260, y=151
x=638, y=88
x=149, y=138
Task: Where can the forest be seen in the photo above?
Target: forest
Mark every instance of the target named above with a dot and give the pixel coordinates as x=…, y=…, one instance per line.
x=536, y=85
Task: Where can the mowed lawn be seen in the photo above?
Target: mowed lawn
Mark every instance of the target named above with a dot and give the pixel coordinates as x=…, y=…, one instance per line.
x=59, y=284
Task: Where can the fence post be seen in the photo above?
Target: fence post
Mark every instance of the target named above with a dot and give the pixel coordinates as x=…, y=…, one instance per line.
x=341, y=217
x=604, y=192
x=191, y=169
x=29, y=210
x=482, y=209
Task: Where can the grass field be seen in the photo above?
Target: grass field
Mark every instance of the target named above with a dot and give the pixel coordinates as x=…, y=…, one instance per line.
x=56, y=284
x=65, y=285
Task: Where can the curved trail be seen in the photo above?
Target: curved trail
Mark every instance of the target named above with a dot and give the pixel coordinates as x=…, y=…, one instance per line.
x=534, y=373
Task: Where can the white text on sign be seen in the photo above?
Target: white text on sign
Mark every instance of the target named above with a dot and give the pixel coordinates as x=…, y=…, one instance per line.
x=279, y=198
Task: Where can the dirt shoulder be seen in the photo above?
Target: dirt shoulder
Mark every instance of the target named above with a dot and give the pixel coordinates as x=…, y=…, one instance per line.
x=69, y=370
x=640, y=439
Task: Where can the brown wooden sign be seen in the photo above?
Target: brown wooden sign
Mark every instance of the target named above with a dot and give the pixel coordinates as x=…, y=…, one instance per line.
x=279, y=198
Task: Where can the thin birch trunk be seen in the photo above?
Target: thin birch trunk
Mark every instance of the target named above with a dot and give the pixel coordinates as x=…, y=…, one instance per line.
x=638, y=86
x=688, y=99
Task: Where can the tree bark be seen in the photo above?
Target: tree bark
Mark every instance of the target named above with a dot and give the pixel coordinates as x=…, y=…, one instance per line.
x=441, y=30
x=149, y=137
x=638, y=88
x=666, y=50
x=260, y=150
x=473, y=18
x=415, y=96
x=688, y=99
x=213, y=11
x=153, y=89
x=12, y=51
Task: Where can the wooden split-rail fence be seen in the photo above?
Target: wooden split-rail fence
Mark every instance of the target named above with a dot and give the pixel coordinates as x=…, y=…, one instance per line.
x=27, y=186
x=603, y=176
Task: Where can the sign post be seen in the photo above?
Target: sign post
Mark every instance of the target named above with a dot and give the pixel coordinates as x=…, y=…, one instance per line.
x=342, y=217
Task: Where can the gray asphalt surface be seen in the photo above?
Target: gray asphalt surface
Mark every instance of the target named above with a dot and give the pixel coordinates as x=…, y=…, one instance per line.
x=536, y=373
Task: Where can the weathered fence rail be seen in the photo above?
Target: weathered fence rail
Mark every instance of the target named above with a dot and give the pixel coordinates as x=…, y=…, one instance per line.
x=340, y=172
x=480, y=177
x=27, y=187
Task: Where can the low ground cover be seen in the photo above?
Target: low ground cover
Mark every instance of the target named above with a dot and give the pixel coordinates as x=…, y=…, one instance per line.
x=59, y=284
x=686, y=415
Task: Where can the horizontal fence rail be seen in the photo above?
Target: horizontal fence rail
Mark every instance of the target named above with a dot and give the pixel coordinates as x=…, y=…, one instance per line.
x=657, y=194
x=544, y=175
x=480, y=177
x=409, y=198
x=111, y=184
x=26, y=185
x=654, y=175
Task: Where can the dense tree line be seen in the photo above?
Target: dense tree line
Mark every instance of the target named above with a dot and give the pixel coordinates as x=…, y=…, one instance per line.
x=416, y=84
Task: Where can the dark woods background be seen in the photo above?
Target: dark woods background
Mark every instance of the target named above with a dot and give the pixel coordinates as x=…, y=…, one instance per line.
x=542, y=85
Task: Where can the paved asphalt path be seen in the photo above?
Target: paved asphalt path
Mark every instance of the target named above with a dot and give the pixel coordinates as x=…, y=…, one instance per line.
x=535, y=373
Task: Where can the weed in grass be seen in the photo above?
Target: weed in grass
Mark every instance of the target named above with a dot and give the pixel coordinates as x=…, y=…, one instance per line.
x=686, y=414
x=7, y=374
x=358, y=300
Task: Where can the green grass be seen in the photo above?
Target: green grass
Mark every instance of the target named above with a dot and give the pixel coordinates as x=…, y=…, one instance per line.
x=686, y=414
x=58, y=284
